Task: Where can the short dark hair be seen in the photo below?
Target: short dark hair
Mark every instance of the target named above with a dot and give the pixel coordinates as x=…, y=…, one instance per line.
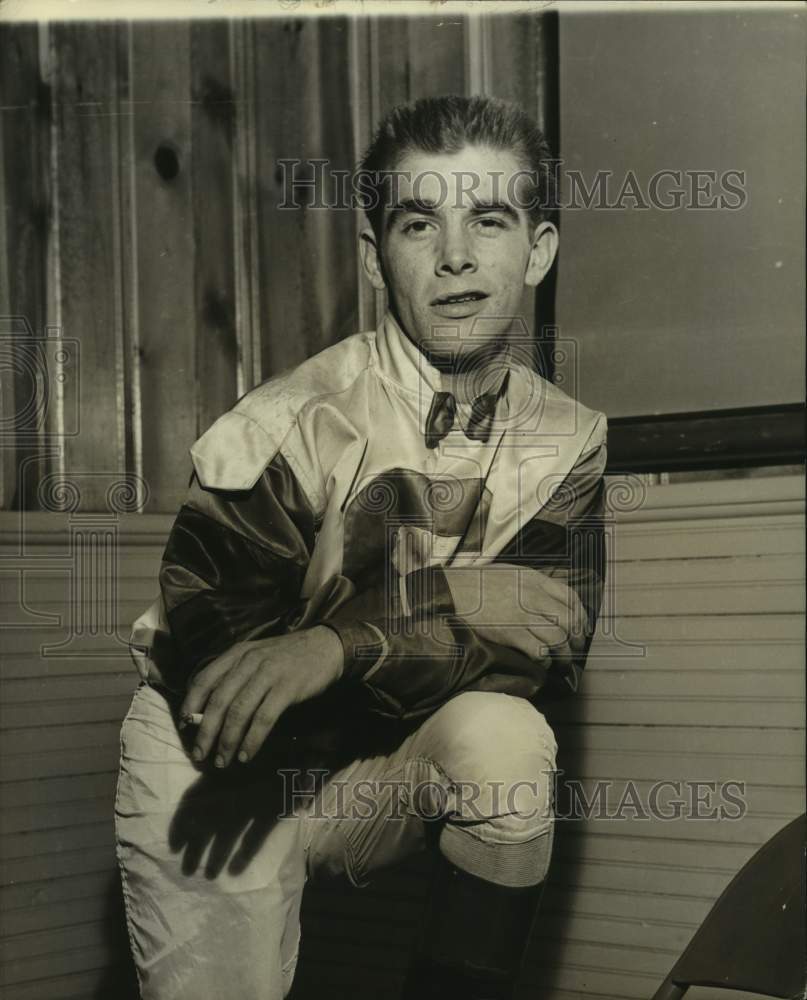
x=447, y=124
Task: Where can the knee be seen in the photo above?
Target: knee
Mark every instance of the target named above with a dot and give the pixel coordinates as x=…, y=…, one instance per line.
x=497, y=755
x=494, y=755
x=485, y=735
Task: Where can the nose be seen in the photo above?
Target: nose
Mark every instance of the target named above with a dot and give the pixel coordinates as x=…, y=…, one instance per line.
x=455, y=255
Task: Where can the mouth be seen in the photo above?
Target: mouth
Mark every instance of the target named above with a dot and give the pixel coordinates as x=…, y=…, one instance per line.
x=459, y=298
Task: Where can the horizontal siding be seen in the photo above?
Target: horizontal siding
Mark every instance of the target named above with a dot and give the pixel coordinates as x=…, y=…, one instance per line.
x=696, y=674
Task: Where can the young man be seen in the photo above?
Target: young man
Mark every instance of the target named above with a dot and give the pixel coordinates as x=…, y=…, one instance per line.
x=384, y=555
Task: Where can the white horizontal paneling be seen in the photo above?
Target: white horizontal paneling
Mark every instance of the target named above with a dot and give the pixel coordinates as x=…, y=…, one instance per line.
x=772, y=713
x=696, y=674
x=16, y=901
x=82, y=834
x=47, y=739
x=67, y=788
x=52, y=643
x=53, y=713
x=695, y=651
x=67, y=863
x=59, y=964
x=708, y=538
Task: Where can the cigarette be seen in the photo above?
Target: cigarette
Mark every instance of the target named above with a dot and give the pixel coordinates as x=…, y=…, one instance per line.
x=192, y=719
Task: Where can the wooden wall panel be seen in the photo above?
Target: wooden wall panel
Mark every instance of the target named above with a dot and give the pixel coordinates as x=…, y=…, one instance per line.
x=408, y=58
x=435, y=52
x=84, y=72
x=246, y=263
x=144, y=222
x=25, y=127
x=308, y=273
x=391, y=76
x=517, y=62
x=165, y=245
x=213, y=108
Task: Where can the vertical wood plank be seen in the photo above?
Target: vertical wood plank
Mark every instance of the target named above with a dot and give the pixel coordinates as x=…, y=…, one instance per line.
x=212, y=127
x=520, y=51
x=25, y=137
x=391, y=69
x=245, y=202
x=87, y=281
x=164, y=251
x=436, y=51
x=308, y=279
x=413, y=57
x=363, y=98
x=127, y=161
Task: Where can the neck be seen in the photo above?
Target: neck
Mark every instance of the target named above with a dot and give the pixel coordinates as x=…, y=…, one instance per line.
x=470, y=375
x=455, y=363
x=467, y=375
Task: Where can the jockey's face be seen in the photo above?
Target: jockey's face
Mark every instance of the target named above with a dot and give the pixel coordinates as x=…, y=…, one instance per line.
x=458, y=248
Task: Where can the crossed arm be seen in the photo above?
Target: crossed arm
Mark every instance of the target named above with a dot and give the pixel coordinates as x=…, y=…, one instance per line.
x=250, y=648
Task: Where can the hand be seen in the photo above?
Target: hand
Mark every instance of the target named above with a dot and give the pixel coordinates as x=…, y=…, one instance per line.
x=519, y=607
x=244, y=691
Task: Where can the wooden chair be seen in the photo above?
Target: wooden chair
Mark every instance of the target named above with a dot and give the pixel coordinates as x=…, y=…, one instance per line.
x=753, y=938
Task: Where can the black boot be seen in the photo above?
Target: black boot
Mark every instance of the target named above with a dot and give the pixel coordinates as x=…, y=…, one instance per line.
x=474, y=938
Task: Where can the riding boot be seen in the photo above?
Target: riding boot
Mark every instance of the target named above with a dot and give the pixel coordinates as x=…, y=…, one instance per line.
x=474, y=938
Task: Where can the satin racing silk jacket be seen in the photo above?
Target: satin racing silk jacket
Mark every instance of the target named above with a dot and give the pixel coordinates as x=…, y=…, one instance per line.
x=316, y=500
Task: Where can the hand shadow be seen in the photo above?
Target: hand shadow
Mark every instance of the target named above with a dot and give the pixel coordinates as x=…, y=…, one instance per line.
x=228, y=813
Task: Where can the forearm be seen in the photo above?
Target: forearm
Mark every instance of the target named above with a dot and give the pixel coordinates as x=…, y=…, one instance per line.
x=512, y=624
x=233, y=567
x=411, y=663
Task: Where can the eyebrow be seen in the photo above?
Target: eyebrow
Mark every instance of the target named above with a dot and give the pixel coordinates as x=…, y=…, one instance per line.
x=495, y=206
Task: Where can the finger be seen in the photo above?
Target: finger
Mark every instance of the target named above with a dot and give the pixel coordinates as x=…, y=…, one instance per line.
x=519, y=638
x=218, y=704
x=535, y=588
x=568, y=616
x=207, y=679
x=514, y=595
x=263, y=721
x=549, y=635
x=240, y=713
x=560, y=653
x=548, y=644
x=529, y=635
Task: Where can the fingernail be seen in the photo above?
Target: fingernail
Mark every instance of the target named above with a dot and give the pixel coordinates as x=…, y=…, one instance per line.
x=242, y=756
x=219, y=761
x=196, y=753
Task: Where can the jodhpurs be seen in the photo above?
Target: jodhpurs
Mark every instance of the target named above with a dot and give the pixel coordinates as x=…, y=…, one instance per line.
x=213, y=865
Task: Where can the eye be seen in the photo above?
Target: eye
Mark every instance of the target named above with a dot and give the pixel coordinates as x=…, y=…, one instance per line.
x=491, y=223
x=416, y=227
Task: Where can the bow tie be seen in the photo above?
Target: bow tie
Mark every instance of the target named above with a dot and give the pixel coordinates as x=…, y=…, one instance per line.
x=443, y=410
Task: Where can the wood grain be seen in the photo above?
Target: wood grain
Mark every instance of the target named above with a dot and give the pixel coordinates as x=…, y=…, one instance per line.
x=165, y=252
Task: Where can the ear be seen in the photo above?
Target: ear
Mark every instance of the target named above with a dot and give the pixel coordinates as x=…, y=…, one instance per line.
x=371, y=259
x=542, y=253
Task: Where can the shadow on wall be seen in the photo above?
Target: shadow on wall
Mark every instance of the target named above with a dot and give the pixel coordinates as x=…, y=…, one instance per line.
x=118, y=979
x=544, y=959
